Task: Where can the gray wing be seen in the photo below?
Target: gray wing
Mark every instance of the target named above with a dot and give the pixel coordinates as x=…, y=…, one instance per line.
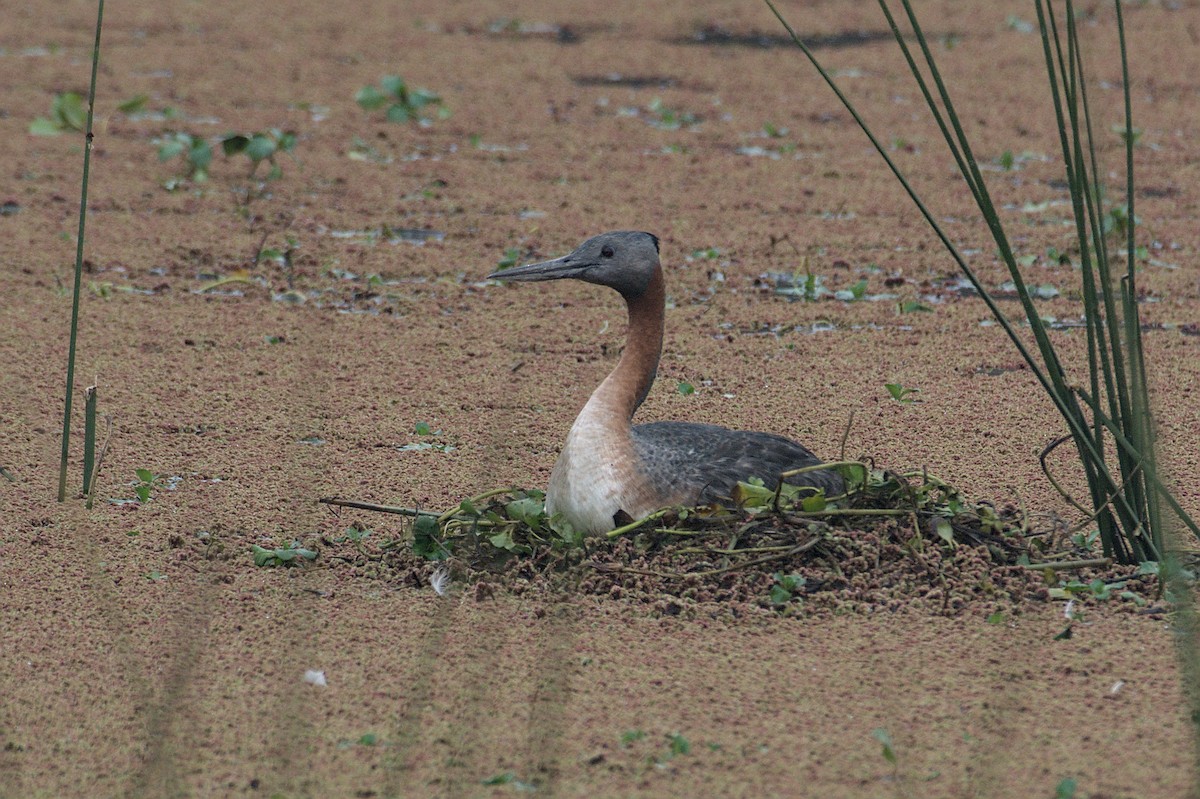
x=707, y=461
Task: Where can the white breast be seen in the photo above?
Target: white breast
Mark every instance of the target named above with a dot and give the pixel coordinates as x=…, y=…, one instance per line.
x=591, y=480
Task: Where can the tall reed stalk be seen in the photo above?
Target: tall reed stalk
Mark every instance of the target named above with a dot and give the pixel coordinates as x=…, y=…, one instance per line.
x=1107, y=412
x=83, y=192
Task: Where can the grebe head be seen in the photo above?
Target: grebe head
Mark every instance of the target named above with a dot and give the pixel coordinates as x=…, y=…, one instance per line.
x=624, y=260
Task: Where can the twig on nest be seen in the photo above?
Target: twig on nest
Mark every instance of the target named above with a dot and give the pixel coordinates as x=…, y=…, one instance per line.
x=1067, y=565
x=353, y=503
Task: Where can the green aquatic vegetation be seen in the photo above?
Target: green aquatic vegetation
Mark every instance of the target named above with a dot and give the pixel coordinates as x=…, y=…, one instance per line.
x=400, y=102
x=67, y=113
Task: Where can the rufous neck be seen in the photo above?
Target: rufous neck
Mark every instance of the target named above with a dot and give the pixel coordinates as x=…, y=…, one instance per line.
x=629, y=383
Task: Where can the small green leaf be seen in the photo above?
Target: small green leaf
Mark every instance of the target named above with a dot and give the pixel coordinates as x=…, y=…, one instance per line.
x=170, y=148
x=503, y=540
x=234, y=144
x=780, y=595
x=70, y=111
x=399, y=113
x=44, y=127
x=1136, y=599
x=368, y=739
x=785, y=587
x=900, y=393
x=944, y=530
x=370, y=98
x=569, y=535
x=512, y=256
x=421, y=98
x=912, y=306
x=686, y=389
x=199, y=156
x=679, y=744
x=133, y=104
x=395, y=86
x=262, y=556
x=527, y=511
x=422, y=429
x=629, y=736
x=426, y=542
x=885, y=740
x=260, y=147
x=1065, y=788
x=813, y=503
x=792, y=582
x=996, y=618
x=854, y=474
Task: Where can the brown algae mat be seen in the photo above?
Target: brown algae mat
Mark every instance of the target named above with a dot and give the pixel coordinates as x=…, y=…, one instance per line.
x=262, y=344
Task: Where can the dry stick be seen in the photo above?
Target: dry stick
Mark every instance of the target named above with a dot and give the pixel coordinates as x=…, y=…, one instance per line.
x=90, y=488
x=495, y=492
x=414, y=512
x=812, y=514
x=1025, y=527
x=1067, y=565
x=87, y=160
x=807, y=545
x=796, y=550
x=846, y=435
x=1053, y=445
x=605, y=567
x=258, y=251
x=350, y=503
x=627, y=528
x=1089, y=516
x=746, y=551
x=820, y=467
x=89, y=435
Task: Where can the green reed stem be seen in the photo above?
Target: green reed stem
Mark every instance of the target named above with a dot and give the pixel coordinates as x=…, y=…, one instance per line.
x=1127, y=509
x=87, y=160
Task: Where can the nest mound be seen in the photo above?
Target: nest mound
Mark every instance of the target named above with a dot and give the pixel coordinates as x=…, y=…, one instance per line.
x=894, y=542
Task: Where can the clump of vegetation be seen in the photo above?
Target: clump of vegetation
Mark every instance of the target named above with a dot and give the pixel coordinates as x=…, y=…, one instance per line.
x=401, y=103
x=195, y=151
x=786, y=588
x=197, y=154
x=148, y=482
x=788, y=549
x=431, y=443
x=505, y=522
x=67, y=112
x=666, y=118
x=512, y=257
x=292, y=555
x=259, y=147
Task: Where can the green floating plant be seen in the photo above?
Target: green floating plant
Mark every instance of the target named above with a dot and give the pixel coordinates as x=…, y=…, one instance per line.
x=401, y=103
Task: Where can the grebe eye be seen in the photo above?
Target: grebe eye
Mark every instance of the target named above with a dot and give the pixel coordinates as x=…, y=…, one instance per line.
x=606, y=251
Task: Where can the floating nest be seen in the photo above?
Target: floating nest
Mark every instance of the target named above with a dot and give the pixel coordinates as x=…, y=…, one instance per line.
x=893, y=541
